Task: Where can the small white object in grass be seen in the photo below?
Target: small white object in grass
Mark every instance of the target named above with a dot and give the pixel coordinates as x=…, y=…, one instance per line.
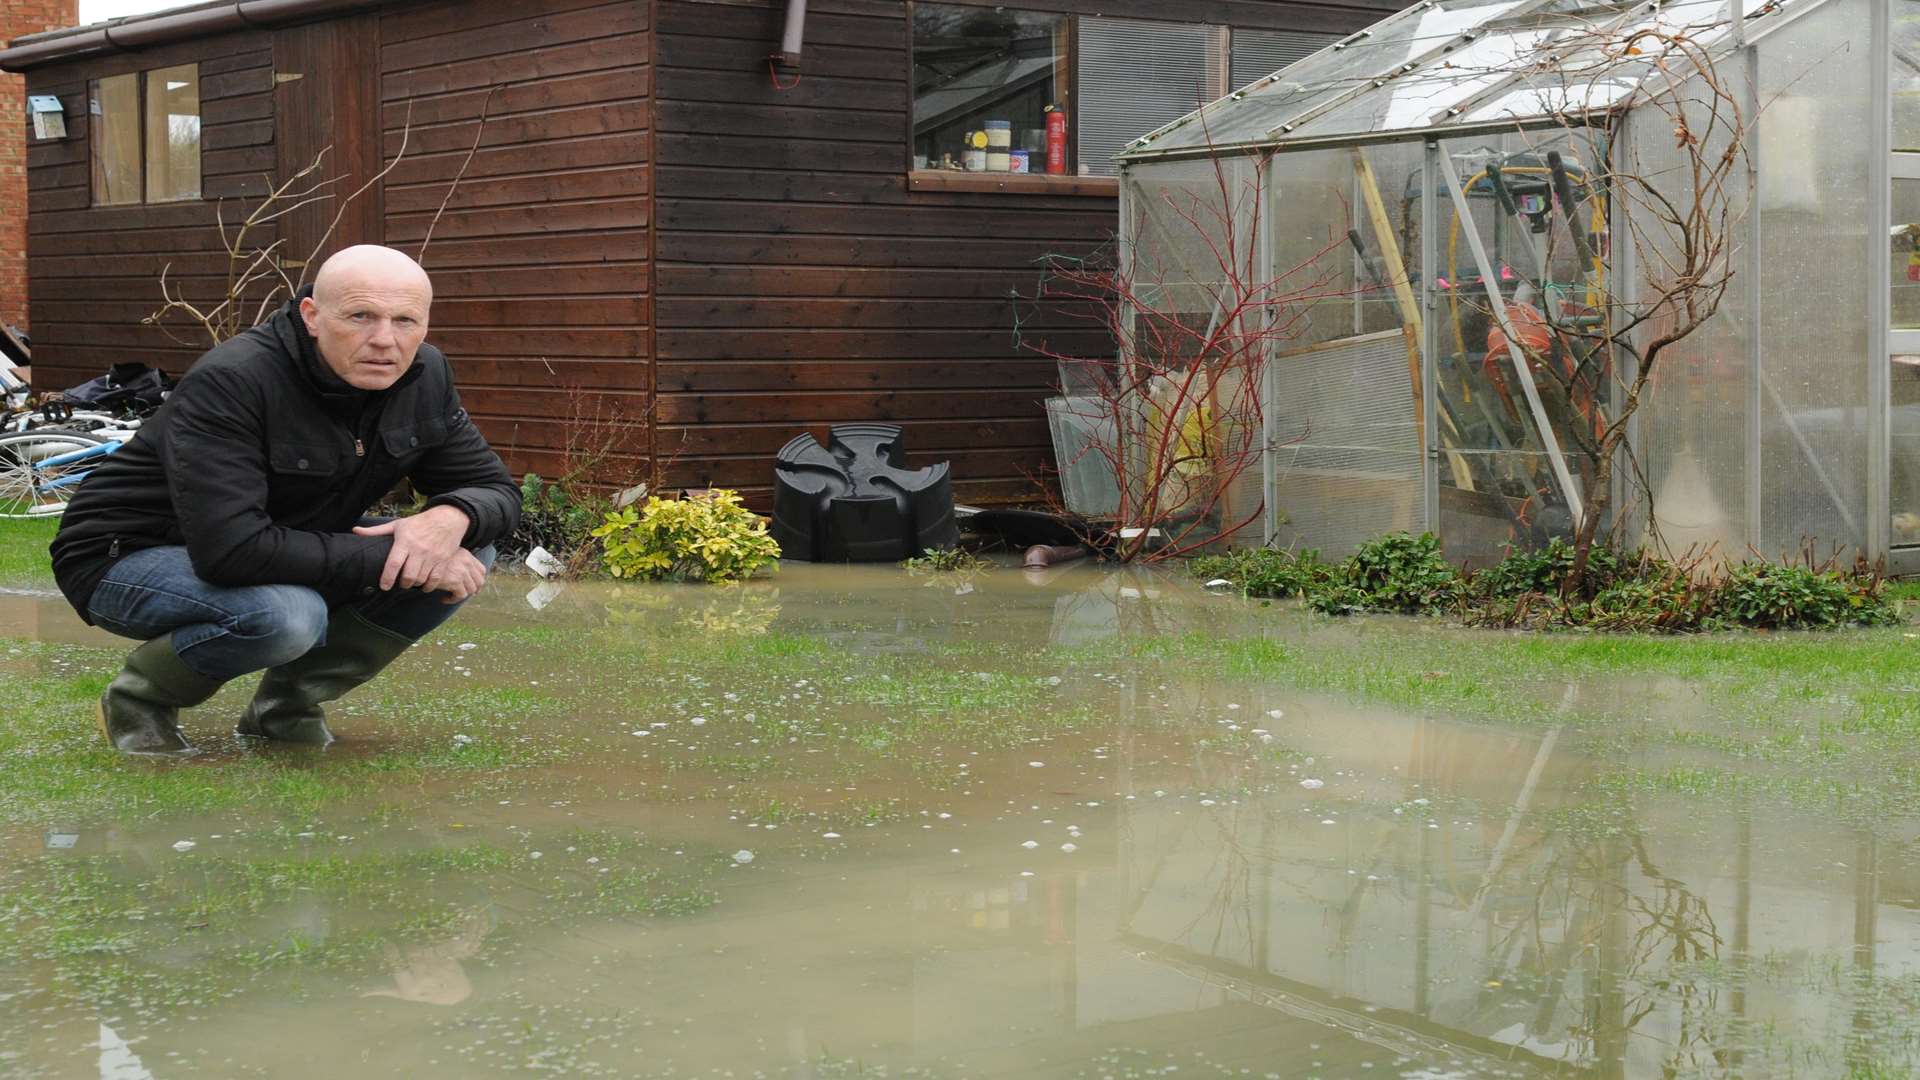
x=643, y=731
x=1031, y=844
x=1327, y=821
x=944, y=815
x=184, y=845
x=1218, y=583
x=466, y=646
x=1275, y=713
x=1232, y=705
x=533, y=855
x=697, y=721
x=743, y=856
x=1037, y=764
x=1069, y=848
x=1206, y=802
x=831, y=835
x=462, y=740
x=1313, y=785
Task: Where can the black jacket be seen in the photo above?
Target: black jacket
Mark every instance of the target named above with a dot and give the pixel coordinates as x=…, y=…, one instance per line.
x=263, y=460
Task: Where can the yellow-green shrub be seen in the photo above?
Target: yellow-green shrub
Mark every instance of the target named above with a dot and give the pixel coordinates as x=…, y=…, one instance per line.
x=704, y=537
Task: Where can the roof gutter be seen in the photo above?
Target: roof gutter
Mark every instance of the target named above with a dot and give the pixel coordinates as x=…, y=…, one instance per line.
x=166, y=27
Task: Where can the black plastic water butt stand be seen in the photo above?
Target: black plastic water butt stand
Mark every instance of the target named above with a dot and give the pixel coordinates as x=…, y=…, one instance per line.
x=854, y=499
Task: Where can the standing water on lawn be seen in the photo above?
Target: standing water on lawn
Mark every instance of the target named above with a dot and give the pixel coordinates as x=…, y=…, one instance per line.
x=850, y=822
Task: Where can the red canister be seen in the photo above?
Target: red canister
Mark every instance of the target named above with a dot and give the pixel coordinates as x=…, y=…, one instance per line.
x=1056, y=142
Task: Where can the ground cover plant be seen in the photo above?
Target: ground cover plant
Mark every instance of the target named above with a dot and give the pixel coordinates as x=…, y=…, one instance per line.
x=1623, y=591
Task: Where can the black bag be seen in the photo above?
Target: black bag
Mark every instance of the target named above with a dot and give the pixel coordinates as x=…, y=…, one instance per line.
x=131, y=387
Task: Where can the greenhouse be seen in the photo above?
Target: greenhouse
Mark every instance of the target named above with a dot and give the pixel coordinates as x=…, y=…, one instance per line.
x=1512, y=265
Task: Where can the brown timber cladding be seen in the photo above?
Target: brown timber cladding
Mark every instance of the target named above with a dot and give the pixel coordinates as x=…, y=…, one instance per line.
x=95, y=273
x=540, y=261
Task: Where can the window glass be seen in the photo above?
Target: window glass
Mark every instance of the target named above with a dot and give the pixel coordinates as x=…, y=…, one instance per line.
x=114, y=124
x=1905, y=74
x=1137, y=76
x=173, y=133
x=989, y=71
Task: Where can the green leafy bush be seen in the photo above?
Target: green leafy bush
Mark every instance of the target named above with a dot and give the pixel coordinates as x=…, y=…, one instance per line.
x=1786, y=596
x=946, y=561
x=552, y=518
x=1264, y=572
x=1404, y=573
x=703, y=537
x=1544, y=571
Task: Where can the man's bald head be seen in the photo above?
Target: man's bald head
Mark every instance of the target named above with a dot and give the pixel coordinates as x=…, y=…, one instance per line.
x=372, y=264
x=368, y=314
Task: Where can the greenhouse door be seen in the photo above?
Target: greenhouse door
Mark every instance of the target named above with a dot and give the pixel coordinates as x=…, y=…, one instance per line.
x=1903, y=310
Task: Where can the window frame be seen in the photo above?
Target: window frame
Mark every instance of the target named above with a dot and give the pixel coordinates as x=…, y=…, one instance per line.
x=141, y=79
x=1073, y=182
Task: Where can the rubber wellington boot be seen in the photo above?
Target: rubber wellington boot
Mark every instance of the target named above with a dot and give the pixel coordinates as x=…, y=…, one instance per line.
x=140, y=711
x=287, y=705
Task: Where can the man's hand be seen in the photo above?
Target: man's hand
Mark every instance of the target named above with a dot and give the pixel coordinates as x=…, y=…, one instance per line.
x=421, y=544
x=457, y=578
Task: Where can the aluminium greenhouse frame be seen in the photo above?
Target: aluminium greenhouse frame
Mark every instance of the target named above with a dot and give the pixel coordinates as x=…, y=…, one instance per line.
x=1846, y=495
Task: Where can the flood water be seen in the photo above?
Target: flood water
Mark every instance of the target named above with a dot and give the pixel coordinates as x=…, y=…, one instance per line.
x=850, y=822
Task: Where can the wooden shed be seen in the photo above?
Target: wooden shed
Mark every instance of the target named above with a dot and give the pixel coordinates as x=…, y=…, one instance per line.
x=659, y=228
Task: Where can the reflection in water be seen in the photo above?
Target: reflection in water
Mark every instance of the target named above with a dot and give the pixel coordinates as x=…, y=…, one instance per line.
x=431, y=974
x=1199, y=871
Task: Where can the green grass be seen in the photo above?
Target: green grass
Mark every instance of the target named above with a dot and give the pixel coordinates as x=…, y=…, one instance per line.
x=23, y=552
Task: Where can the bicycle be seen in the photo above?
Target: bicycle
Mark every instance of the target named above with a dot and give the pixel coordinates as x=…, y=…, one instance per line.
x=41, y=467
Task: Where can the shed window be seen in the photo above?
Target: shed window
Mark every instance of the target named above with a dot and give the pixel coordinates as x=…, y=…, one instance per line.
x=980, y=71
x=146, y=136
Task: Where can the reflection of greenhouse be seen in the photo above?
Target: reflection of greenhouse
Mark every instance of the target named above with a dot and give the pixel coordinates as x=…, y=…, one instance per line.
x=1448, y=188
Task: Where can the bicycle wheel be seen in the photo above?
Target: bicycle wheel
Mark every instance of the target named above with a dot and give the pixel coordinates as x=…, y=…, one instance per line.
x=28, y=487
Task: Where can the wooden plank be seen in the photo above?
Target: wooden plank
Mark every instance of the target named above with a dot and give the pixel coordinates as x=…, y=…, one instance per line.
x=965, y=253
x=619, y=279
x=764, y=24
x=865, y=313
x=522, y=341
x=625, y=311
x=536, y=403
x=243, y=133
x=626, y=148
x=792, y=122
x=173, y=215
x=330, y=107
x=1024, y=223
x=527, y=221
x=461, y=42
x=622, y=182
x=522, y=65
x=816, y=90
x=429, y=20
x=813, y=343
x=603, y=119
x=252, y=80
x=551, y=373
x=551, y=251
x=931, y=436
x=677, y=148
x=545, y=94
x=738, y=55
x=886, y=405
x=245, y=159
x=707, y=375
x=683, y=280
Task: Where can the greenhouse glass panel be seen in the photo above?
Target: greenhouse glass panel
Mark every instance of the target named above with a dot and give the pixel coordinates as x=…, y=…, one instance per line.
x=1332, y=74
x=1905, y=76
x=1343, y=389
x=1694, y=421
x=1815, y=206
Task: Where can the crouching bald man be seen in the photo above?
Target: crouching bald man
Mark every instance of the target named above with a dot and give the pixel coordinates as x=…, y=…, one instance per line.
x=230, y=536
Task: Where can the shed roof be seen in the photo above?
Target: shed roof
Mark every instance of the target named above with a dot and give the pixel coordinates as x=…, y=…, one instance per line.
x=164, y=27
x=1449, y=66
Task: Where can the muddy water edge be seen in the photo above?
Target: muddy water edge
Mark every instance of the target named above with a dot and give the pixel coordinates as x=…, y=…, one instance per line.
x=1086, y=823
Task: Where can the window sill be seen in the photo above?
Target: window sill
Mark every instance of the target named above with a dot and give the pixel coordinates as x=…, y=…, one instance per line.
x=1107, y=187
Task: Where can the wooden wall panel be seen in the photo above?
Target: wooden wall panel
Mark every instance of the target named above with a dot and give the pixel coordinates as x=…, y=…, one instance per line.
x=95, y=272
x=541, y=255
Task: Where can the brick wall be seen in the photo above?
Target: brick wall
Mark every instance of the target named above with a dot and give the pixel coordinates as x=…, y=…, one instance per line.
x=19, y=18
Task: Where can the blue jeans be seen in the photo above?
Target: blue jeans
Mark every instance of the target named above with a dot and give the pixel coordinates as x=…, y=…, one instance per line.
x=224, y=633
